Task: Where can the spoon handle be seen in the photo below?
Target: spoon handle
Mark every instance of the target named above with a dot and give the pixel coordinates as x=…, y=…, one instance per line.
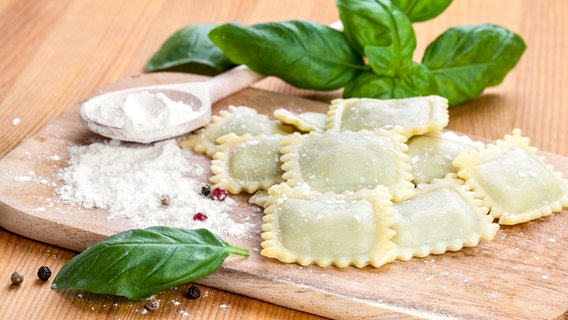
x=231, y=81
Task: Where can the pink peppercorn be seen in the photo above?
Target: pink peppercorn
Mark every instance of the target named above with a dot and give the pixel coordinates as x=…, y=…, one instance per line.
x=219, y=194
x=199, y=217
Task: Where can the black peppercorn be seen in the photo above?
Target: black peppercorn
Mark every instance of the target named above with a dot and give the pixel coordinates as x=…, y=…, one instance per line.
x=205, y=189
x=17, y=278
x=193, y=292
x=152, y=305
x=43, y=273
x=165, y=200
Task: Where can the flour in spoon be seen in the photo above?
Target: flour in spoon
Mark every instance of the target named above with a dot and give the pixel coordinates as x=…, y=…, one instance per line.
x=131, y=181
x=139, y=113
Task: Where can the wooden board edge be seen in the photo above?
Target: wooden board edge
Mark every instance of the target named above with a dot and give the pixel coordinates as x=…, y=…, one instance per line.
x=37, y=228
x=318, y=301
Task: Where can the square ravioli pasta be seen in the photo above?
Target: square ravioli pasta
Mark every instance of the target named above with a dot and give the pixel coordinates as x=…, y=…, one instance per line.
x=443, y=215
x=303, y=122
x=516, y=184
x=431, y=155
x=348, y=161
x=246, y=163
x=238, y=120
x=306, y=227
x=412, y=116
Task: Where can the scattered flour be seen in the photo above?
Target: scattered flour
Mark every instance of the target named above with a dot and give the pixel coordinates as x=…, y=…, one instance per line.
x=31, y=176
x=130, y=182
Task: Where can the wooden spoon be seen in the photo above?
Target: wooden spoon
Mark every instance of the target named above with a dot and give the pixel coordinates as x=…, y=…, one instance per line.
x=197, y=95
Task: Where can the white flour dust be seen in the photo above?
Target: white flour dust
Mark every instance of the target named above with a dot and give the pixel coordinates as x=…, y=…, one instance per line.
x=131, y=181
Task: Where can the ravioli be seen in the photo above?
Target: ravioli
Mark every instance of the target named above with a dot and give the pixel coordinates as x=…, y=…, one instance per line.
x=443, y=215
x=516, y=184
x=260, y=198
x=246, y=163
x=238, y=120
x=340, y=191
x=306, y=227
x=304, y=122
x=413, y=116
x=431, y=154
x=348, y=161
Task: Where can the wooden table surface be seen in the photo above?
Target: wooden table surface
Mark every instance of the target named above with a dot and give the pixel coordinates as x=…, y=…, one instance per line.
x=54, y=53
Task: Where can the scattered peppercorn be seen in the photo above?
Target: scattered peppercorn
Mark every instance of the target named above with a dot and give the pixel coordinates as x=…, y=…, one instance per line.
x=17, y=278
x=165, y=200
x=152, y=304
x=205, y=189
x=200, y=217
x=193, y=292
x=43, y=273
x=219, y=194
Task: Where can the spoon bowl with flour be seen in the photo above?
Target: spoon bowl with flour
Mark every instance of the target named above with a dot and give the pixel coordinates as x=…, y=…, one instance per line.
x=153, y=113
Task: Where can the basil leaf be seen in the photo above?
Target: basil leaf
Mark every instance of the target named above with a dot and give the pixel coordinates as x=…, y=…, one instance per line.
x=380, y=30
x=465, y=60
x=384, y=60
x=370, y=85
x=140, y=262
x=304, y=54
x=190, y=49
x=420, y=10
x=412, y=81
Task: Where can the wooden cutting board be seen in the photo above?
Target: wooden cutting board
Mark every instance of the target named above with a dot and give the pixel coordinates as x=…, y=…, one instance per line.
x=521, y=274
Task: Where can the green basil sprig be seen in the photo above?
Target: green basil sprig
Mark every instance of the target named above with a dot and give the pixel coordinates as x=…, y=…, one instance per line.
x=458, y=65
x=373, y=56
x=138, y=263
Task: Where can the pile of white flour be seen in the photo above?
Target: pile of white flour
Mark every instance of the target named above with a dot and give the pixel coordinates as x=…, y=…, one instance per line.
x=130, y=182
x=141, y=116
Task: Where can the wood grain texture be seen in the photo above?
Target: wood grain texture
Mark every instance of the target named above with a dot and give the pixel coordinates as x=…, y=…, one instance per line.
x=54, y=53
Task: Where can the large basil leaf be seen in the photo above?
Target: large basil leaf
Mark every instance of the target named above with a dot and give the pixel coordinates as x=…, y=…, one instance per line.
x=304, y=54
x=465, y=60
x=412, y=81
x=138, y=263
x=420, y=10
x=190, y=49
x=381, y=31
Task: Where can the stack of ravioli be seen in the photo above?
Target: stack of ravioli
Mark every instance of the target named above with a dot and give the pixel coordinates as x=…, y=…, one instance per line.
x=371, y=181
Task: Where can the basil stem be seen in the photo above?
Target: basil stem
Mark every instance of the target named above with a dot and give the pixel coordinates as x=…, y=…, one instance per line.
x=304, y=54
x=138, y=263
x=190, y=50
